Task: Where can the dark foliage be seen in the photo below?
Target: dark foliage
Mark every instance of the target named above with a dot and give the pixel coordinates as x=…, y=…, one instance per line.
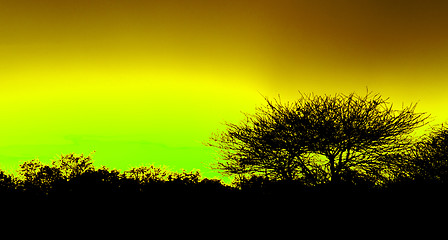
x=327, y=151
x=161, y=190
x=424, y=166
x=74, y=178
x=319, y=139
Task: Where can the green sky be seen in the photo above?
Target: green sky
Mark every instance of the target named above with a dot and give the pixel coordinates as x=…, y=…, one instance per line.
x=143, y=82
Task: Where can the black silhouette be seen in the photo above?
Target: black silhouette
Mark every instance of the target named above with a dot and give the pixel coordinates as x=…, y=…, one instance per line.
x=74, y=177
x=318, y=140
x=343, y=149
x=426, y=163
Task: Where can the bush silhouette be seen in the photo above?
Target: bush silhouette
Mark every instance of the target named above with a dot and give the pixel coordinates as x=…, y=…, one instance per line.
x=74, y=177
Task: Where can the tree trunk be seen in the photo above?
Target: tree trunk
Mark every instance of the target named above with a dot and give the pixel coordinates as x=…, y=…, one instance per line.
x=333, y=171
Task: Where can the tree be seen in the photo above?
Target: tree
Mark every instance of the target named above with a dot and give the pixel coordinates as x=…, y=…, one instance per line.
x=7, y=182
x=41, y=178
x=356, y=134
x=144, y=174
x=263, y=144
x=73, y=165
x=37, y=177
x=427, y=161
x=318, y=139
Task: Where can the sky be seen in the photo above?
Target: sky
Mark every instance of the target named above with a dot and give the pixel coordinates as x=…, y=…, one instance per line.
x=146, y=82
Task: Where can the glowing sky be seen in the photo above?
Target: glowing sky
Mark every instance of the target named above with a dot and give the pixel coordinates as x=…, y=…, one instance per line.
x=147, y=81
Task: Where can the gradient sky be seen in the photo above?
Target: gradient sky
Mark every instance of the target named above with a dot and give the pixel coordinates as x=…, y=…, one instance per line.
x=143, y=82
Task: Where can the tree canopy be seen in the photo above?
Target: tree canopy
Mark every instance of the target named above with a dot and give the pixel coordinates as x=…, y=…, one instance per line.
x=427, y=160
x=318, y=139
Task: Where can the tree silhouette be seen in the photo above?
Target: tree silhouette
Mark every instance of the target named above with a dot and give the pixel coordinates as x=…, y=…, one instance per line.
x=37, y=178
x=147, y=174
x=355, y=133
x=427, y=161
x=72, y=165
x=34, y=176
x=74, y=178
x=263, y=145
x=7, y=182
x=318, y=139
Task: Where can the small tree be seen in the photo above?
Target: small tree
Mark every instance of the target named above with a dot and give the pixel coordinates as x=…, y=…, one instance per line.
x=73, y=165
x=318, y=139
x=427, y=161
x=7, y=182
x=37, y=177
x=147, y=174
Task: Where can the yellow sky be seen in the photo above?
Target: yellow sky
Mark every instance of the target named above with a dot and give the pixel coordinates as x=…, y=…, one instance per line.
x=147, y=81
